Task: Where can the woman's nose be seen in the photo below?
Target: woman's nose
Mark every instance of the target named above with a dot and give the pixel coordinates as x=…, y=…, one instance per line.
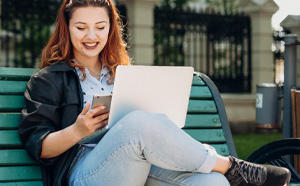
x=91, y=34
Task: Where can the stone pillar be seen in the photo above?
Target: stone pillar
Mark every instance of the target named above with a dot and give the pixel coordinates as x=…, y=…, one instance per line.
x=140, y=15
x=293, y=24
x=261, y=13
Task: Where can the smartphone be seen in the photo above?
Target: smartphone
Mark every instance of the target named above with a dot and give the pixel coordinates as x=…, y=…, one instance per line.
x=102, y=100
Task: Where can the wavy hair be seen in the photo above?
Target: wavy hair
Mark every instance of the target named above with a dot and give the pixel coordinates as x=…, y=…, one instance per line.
x=59, y=48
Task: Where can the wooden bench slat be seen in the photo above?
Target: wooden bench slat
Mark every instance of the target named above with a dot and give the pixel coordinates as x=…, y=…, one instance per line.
x=10, y=139
x=202, y=106
x=9, y=120
x=221, y=149
x=20, y=173
x=207, y=135
x=12, y=87
x=202, y=121
x=15, y=157
x=8, y=73
x=28, y=183
x=197, y=81
x=200, y=92
x=11, y=103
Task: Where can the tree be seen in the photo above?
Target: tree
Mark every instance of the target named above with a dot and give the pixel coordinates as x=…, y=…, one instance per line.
x=225, y=6
x=175, y=3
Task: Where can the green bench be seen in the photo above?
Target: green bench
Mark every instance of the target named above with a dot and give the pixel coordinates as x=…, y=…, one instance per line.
x=16, y=168
x=206, y=122
x=206, y=118
x=203, y=123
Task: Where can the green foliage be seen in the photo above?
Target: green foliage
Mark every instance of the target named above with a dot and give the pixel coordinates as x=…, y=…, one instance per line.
x=224, y=6
x=29, y=23
x=175, y=3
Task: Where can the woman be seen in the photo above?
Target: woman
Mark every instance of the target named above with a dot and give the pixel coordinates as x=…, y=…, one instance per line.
x=80, y=60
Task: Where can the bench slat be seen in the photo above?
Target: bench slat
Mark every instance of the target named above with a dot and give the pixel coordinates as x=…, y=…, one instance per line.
x=202, y=106
x=10, y=139
x=15, y=157
x=12, y=87
x=29, y=183
x=197, y=81
x=207, y=135
x=21, y=173
x=9, y=120
x=11, y=103
x=200, y=92
x=221, y=149
x=202, y=121
x=8, y=73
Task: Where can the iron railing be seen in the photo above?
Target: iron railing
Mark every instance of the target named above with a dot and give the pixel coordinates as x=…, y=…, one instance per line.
x=25, y=29
x=217, y=45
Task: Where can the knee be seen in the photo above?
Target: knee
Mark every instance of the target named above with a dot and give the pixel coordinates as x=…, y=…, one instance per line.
x=138, y=115
x=141, y=121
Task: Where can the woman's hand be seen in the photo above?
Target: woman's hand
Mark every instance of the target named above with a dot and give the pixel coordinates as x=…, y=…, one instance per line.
x=89, y=122
x=86, y=123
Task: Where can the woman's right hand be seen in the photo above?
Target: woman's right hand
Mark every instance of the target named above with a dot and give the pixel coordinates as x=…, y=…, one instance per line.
x=86, y=123
x=89, y=122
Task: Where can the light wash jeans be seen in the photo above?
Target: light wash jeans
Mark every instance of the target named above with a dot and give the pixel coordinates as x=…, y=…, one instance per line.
x=146, y=149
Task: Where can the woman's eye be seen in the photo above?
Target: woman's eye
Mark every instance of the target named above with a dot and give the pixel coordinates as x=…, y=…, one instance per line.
x=100, y=28
x=80, y=28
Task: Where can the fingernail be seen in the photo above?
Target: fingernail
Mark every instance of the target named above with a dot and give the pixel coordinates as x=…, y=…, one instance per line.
x=102, y=107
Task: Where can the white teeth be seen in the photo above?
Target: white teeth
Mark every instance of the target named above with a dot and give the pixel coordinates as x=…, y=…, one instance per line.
x=90, y=44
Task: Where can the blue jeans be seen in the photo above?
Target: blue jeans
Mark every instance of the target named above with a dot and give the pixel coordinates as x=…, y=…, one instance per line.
x=146, y=149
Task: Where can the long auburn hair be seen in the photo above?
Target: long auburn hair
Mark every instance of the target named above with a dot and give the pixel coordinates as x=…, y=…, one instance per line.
x=60, y=49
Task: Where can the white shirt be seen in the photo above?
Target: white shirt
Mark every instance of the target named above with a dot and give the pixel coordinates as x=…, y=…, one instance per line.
x=91, y=85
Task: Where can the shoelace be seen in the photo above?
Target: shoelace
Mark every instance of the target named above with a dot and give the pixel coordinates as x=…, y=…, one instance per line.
x=235, y=175
x=252, y=173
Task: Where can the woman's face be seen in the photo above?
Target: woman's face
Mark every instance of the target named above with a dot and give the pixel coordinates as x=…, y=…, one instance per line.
x=89, y=29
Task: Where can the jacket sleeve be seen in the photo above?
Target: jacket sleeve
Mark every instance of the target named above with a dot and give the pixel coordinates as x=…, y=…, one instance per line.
x=41, y=113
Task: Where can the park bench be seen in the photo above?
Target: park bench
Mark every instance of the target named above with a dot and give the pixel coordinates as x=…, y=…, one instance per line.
x=16, y=168
x=206, y=122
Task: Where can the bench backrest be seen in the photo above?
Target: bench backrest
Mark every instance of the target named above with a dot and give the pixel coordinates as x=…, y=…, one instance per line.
x=206, y=118
x=206, y=122
x=15, y=165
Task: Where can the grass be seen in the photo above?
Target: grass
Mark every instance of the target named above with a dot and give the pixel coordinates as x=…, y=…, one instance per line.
x=245, y=144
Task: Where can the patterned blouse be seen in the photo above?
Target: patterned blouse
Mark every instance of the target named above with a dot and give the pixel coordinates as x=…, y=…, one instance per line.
x=91, y=85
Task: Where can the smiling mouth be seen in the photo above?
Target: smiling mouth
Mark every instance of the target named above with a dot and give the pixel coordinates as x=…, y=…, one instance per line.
x=90, y=45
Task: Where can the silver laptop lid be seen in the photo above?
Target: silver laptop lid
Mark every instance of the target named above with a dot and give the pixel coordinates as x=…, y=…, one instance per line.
x=155, y=89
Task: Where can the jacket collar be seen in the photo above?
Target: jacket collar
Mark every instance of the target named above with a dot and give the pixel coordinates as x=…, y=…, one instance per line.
x=61, y=67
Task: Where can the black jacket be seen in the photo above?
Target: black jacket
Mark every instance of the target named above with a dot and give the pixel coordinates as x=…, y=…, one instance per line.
x=53, y=100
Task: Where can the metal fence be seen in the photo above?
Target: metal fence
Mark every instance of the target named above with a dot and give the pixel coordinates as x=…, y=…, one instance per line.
x=217, y=45
x=25, y=29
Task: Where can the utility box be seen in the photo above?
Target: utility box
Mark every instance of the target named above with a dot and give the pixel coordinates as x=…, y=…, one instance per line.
x=268, y=105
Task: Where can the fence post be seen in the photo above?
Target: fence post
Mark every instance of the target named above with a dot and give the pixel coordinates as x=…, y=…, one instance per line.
x=140, y=15
x=261, y=13
x=290, y=75
x=292, y=23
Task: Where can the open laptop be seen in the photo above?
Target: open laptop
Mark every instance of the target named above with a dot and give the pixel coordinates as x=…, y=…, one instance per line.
x=157, y=89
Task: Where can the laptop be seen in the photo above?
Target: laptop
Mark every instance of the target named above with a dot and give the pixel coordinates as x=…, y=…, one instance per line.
x=157, y=89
